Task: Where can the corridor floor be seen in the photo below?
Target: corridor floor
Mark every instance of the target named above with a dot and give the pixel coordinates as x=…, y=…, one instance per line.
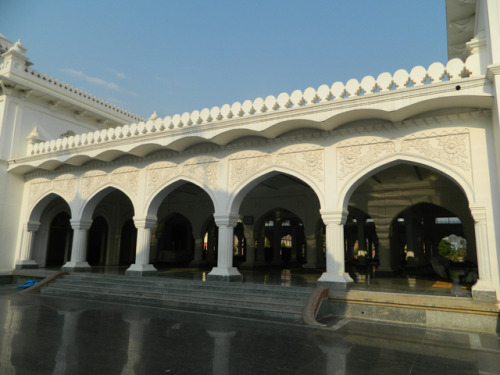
x=46, y=335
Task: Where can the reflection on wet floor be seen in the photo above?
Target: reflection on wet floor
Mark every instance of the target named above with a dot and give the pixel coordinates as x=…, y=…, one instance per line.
x=44, y=335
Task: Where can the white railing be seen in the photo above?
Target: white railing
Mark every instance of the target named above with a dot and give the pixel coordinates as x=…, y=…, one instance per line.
x=454, y=70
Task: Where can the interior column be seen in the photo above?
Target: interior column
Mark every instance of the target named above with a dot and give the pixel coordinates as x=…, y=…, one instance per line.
x=335, y=276
x=78, y=260
x=225, y=270
x=141, y=267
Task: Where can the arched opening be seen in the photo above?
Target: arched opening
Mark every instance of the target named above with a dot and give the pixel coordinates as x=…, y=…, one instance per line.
x=410, y=209
x=111, y=242
x=97, y=242
x=210, y=243
x=178, y=238
x=280, y=211
x=360, y=242
x=59, y=242
x=433, y=240
x=175, y=240
x=284, y=240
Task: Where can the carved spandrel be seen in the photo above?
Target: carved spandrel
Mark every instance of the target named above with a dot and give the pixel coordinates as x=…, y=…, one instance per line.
x=240, y=169
x=452, y=149
x=354, y=157
x=66, y=186
x=37, y=189
x=159, y=176
x=91, y=181
x=128, y=178
x=205, y=173
x=309, y=162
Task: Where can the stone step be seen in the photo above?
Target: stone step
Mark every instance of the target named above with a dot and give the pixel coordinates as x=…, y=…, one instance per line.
x=190, y=288
x=171, y=282
x=207, y=306
x=192, y=294
x=229, y=298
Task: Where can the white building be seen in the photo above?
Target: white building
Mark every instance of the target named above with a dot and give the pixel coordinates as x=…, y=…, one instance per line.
x=365, y=169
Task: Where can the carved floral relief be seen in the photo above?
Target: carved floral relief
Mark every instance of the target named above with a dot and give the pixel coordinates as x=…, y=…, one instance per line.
x=38, y=187
x=91, y=181
x=354, y=157
x=305, y=160
x=451, y=149
x=128, y=177
x=203, y=171
x=64, y=185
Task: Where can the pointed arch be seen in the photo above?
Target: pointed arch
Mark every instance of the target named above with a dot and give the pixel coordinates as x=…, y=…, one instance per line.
x=236, y=197
x=346, y=191
x=38, y=208
x=88, y=207
x=155, y=199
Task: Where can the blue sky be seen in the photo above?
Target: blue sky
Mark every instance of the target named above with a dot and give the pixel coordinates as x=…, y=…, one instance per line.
x=176, y=56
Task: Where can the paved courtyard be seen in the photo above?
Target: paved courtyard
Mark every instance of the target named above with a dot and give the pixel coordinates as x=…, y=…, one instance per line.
x=44, y=335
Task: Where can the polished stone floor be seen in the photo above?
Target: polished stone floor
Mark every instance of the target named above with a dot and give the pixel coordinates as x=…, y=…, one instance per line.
x=46, y=335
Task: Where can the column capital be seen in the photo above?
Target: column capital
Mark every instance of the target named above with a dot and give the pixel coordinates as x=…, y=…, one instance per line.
x=147, y=222
x=229, y=220
x=492, y=71
x=32, y=226
x=334, y=217
x=81, y=224
x=478, y=214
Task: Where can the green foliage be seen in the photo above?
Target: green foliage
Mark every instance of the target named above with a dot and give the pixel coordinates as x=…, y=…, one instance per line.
x=445, y=249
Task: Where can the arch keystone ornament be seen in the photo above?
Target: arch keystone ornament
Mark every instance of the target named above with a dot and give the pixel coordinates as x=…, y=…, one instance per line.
x=335, y=276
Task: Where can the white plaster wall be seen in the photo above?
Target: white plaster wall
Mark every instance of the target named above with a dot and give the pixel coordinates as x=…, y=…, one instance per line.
x=11, y=192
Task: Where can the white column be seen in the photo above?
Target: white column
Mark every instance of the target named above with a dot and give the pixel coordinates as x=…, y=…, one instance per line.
x=362, y=255
x=78, y=260
x=225, y=270
x=250, y=241
x=141, y=267
x=483, y=289
x=198, y=256
x=312, y=251
x=276, y=243
x=261, y=256
x=335, y=275
x=25, y=258
x=411, y=258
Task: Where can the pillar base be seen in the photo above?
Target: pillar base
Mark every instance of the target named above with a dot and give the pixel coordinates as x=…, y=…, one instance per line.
x=483, y=291
x=140, y=270
x=26, y=264
x=76, y=267
x=335, y=281
x=224, y=274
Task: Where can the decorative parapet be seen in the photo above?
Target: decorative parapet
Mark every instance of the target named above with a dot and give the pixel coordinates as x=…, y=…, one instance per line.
x=76, y=93
x=454, y=70
x=24, y=71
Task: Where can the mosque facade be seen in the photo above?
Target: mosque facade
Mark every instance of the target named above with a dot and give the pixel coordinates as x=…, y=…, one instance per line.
x=390, y=172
